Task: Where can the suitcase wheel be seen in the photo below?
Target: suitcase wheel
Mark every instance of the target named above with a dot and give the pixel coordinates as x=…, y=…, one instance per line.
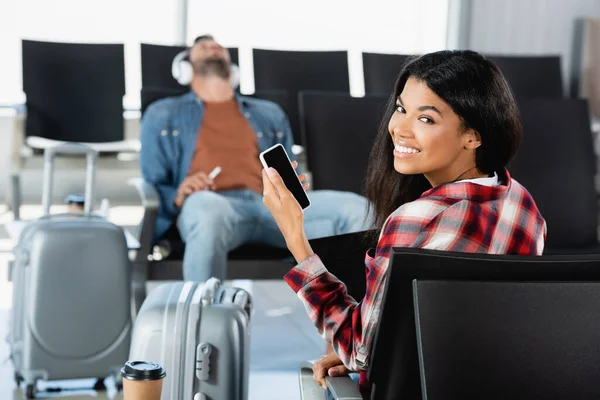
x=99, y=386
x=118, y=381
x=31, y=391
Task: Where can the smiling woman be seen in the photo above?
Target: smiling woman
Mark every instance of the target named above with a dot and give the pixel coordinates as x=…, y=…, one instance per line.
x=437, y=179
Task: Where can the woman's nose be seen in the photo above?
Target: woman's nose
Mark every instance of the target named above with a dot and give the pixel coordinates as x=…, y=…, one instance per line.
x=400, y=127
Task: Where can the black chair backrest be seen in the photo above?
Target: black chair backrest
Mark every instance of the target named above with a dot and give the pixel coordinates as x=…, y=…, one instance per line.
x=532, y=76
x=344, y=256
x=510, y=340
x=280, y=97
x=488, y=326
x=74, y=91
x=294, y=71
x=338, y=132
x=381, y=71
x=556, y=164
x=157, y=61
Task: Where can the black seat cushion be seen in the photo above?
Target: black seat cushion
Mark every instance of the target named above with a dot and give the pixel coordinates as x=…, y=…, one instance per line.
x=173, y=241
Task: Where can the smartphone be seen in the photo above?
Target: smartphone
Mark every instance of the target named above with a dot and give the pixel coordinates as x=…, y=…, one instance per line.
x=276, y=157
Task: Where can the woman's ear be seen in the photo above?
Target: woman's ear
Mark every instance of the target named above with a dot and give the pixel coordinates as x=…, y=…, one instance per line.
x=472, y=139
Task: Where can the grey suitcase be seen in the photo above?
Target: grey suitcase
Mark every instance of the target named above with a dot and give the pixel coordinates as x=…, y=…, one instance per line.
x=71, y=314
x=198, y=332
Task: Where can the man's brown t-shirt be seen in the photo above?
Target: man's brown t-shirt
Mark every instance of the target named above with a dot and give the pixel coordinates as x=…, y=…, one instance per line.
x=226, y=139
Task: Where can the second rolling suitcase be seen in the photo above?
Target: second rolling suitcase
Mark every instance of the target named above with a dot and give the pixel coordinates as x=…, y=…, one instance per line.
x=71, y=314
x=200, y=334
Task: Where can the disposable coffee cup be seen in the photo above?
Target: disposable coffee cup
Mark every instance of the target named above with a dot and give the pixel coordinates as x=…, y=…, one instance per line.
x=142, y=380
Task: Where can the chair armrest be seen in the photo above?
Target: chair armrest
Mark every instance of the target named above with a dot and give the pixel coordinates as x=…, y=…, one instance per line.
x=309, y=389
x=123, y=146
x=149, y=195
x=342, y=387
x=150, y=202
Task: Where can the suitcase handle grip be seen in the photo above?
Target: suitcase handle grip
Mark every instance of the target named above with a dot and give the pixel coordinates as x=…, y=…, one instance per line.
x=209, y=290
x=73, y=149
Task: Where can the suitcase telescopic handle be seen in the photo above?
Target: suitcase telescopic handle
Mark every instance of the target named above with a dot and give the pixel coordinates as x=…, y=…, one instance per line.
x=71, y=149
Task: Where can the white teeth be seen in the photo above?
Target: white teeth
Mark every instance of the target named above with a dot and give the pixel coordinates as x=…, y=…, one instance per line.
x=409, y=150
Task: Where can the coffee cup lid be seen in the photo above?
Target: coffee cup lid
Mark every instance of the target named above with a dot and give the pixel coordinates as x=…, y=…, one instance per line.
x=142, y=371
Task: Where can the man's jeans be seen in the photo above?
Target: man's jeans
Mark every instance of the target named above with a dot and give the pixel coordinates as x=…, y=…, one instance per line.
x=214, y=223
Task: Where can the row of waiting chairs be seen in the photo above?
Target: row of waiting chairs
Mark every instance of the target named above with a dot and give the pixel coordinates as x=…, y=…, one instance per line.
x=294, y=71
x=538, y=76
x=74, y=91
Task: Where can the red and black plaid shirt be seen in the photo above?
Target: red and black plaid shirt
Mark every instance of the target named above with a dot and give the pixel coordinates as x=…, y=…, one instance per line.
x=461, y=216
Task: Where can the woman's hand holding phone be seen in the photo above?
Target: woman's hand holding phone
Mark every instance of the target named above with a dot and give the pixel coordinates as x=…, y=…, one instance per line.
x=287, y=212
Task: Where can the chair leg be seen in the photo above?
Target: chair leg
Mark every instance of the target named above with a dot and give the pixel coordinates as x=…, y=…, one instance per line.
x=139, y=277
x=15, y=192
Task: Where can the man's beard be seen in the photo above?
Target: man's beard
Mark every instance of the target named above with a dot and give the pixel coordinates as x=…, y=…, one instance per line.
x=212, y=66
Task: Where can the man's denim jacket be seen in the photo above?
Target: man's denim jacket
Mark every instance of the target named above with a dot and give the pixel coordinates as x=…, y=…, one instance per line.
x=169, y=133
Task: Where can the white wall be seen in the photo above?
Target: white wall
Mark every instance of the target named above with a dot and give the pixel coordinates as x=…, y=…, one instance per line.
x=524, y=27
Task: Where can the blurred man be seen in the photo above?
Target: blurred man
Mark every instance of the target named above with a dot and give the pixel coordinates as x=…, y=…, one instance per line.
x=185, y=138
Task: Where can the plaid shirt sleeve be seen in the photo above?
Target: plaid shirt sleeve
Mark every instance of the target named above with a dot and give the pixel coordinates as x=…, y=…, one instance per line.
x=347, y=324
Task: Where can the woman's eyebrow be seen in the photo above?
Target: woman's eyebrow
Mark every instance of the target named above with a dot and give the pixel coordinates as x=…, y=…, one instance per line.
x=422, y=108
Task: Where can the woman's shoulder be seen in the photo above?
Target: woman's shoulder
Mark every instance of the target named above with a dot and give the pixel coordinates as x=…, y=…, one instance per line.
x=422, y=209
x=519, y=194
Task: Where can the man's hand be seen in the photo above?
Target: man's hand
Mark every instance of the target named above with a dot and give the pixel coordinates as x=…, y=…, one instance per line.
x=191, y=184
x=328, y=365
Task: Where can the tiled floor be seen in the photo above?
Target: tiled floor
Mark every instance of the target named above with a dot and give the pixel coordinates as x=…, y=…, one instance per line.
x=282, y=336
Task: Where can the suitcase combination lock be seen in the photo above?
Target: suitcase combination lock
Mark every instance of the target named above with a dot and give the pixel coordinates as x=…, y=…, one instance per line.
x=203, y=361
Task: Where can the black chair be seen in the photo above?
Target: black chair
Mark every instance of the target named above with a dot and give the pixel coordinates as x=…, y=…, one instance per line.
x=457, y=325
x=280, y=97
x=532, y=76
x=156, y=66
x=74, y=91
x=74, y=94
x=489, y=326
x=294, y=71
x=557, y=165
x=338, y=132
x=381, y=71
